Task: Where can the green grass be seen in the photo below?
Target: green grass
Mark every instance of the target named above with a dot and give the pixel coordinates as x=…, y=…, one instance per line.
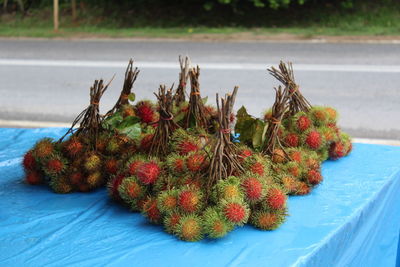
x=368, y=21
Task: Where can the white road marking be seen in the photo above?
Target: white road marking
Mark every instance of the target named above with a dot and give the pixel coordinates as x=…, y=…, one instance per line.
x=204, y=65
x=45, y=124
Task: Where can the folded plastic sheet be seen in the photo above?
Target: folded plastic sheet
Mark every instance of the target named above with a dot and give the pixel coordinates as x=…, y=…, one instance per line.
x=351, y=219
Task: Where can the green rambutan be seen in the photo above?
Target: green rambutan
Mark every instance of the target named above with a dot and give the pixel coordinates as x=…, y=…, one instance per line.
x=148, y=172
x=44, y=148
x=329, y=134
x=60, y=185
x=151, y=211
x=95, y=179
x=73, y=146
x=190, y=228
x=319, y=115
x=253, y=188
x=167, y=201
x=228, y=190
x=291, y=140
x=236, y=212
x=55, y=165
x=171, y=221
x=113, y=145
x=275, y=198
x=29, y=161
x=215, y=224
x=196, y=162
x=176, y=164
x=190, y=199
x=92, y=162
x=293, y=168
x=129, y=189
x=33, y=177
x=314, y=177
x=267, y=220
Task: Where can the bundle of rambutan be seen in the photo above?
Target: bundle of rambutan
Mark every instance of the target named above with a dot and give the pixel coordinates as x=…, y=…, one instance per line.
x=92, y=152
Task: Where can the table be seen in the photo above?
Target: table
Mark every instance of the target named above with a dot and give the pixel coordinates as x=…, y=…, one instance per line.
x=351, y=219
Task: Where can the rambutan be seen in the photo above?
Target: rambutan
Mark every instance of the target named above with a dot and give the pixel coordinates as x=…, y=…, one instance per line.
x=290, y=183
x=167, y=201
x=129, y=189
x=193, y=182
x=253, y=189
x=145, y=111
x=302, y=122
x=295, y=155
x=215, y=225
x=258, y=168
x=332, y=114
x=314, y=177
x=73, y=146
x=127, y=111
x=312, y=163
x=190, y=228
x=55, y=165
x=303, y=189
x=151, y=211
x=236, y=212
x=313, y=140
x=92, y=162
x=44, y=148
x=267, y=220
x=148, y=172
x=336, y=150
x=185, y=147
x=133, y=164
x=76, y=178
x=275, y=198
x=33, y=177
x=113, y=186
x=190, y=200
x=291, y=140
x=195, y=162
x=176, y=164
x=111, y=166
x=293, y=168
x=60, y=185
x=171, y=221
x=113, y=145
x=319, y=115
x=95, y=179
x=228, y=190
x=244, y=153
x=278, y=156
x=29, y=161
x=101, y=142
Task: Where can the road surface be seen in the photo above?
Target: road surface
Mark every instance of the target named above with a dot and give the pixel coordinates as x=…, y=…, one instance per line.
x=48, y=80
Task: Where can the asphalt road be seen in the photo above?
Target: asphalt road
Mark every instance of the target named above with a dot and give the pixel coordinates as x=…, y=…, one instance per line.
x=43, y=80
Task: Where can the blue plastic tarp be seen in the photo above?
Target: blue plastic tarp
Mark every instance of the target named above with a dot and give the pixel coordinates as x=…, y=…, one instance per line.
x=351, y=219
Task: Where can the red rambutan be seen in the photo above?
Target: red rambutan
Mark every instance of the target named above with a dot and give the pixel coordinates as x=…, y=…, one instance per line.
x=185, y=147
x=303, y=189
x=29, y=161
x=337, y=150
x=313, y=140
x=314, y=177
x=296, y=156
x=148, y=172
x=43, y=149
x=33, y=178
x=275, y=199
x=111, y=166
x=145, y=142
x=76, y=178
x=253, y=188
x=244, y=153
x=303, y=123
x=257, y=168
x=73, y=146
x=145, y=111
x=189, y=200
x=194, y=162
x=291, y=140
x=236, y=212
x=151, y=210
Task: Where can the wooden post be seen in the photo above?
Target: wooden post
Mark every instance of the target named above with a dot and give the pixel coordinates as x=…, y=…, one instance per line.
x=73, y=8
x=55, y=14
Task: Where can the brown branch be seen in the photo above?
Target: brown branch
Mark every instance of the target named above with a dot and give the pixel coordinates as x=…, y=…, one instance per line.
x=179, y=96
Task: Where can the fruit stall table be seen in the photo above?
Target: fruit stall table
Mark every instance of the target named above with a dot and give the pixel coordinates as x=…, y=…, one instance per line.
x=351, y=219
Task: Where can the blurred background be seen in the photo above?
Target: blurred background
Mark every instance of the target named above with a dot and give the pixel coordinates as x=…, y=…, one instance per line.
x=346, y=54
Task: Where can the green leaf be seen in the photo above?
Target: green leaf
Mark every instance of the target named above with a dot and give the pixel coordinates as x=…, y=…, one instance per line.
x=204, y=100
x=113, y=121
x=127, y=122
x=131, y=97
x=180, y=116
x=133, y=131
x=244, y=125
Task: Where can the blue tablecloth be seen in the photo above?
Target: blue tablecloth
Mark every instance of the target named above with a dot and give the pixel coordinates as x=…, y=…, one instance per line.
x=351, y=219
